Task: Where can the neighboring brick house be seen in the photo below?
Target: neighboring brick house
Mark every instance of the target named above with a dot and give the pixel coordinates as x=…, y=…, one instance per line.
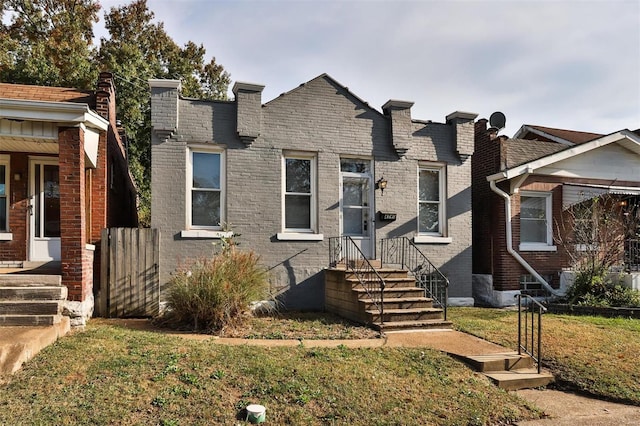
x=275, y=172
x=63, y=178
x=522, y=186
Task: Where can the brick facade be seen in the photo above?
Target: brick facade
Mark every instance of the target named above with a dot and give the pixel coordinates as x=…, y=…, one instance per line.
x=490, y=255
x=88, y=203
x=321, y=118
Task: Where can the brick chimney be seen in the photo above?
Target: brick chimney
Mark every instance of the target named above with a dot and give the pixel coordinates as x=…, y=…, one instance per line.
x=400, y=115
x=249, y=109
x=463, y=132
x=105, y=97
x=164, y=107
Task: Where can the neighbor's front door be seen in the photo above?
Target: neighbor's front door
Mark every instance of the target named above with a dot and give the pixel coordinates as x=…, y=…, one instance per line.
x=356, y=209
x=44, y=210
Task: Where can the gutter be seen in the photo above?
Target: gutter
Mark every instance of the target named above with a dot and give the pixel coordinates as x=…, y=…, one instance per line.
x=512, y=252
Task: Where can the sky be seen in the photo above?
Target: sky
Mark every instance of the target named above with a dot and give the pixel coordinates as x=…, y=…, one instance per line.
x=566, y=64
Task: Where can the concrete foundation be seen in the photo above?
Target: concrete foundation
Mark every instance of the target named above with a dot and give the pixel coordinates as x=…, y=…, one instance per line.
x=485, y=295
x=79, y=312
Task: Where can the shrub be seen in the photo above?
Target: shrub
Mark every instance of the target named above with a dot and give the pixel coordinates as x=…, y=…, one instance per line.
x=213, y=293
x=599, y=290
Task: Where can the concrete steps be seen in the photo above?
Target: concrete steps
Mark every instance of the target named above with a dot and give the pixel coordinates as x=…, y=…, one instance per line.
x=405, y=314
x=405, y=305
x=509, y=371
x=31, y=299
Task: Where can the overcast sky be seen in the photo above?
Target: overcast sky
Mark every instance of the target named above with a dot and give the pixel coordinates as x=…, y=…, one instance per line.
x=566, y=64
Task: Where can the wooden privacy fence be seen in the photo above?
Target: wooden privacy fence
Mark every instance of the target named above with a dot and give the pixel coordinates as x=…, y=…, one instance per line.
x=129, y=279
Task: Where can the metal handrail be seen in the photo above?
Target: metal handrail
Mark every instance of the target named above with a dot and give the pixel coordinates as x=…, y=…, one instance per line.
x=403, y=252
x=343, y=250
x=632, y=255
x=532, y=346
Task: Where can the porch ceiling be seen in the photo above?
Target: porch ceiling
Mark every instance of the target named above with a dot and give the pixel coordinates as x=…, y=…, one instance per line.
x=32, y=145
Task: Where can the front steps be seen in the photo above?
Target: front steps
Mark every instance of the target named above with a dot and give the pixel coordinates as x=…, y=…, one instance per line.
x=510, y=371
x=405, y=305
x=31, y=300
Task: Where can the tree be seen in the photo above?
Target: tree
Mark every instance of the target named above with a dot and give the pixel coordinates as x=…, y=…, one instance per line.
x=49, y=42
x=139, y=49
x=593, y=234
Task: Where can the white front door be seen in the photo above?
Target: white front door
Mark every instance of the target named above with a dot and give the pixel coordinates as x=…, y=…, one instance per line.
x=356, y=207
x=44, y=210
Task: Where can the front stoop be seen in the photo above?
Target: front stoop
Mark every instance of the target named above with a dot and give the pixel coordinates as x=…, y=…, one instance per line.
x=31, y=300
x=405, y=305
x=510, y=371
x=20, y=344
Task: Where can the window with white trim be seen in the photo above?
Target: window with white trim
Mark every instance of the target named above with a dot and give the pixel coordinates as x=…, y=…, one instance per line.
x=300, y=193
x=4, y=193
x=535, y=220
x=206, y=198
x=431, y=201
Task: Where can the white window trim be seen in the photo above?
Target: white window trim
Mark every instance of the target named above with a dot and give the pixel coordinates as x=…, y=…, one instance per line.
x=299, y=236
x=189, y=182
x=298, y=233
x=428, y=239
x=205, y=234
x=434, y=237
x=5, y=235
x=539, y=246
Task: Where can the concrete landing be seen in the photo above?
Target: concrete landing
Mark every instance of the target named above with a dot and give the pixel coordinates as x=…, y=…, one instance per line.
x=20, y=344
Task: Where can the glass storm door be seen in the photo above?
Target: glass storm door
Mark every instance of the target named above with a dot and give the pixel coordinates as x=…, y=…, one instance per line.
x=44, y=211
x=355, y=204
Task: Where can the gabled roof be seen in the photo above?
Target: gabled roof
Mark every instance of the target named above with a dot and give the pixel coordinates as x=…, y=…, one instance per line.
x=43, y=93
x=550, y=134
x=332, y=80
x=520, y=151
x=626, y=138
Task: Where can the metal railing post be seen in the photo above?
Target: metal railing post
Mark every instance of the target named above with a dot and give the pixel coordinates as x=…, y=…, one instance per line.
x=519, y=324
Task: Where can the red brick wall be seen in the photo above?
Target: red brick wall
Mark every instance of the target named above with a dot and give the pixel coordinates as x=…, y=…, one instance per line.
x=16, y=249
x=77, y=261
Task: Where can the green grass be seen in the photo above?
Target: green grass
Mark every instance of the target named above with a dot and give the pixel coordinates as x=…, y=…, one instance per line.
x=590, y=354
x=113, y=375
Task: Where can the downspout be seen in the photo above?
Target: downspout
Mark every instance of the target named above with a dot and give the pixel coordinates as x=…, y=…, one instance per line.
x=512, y=252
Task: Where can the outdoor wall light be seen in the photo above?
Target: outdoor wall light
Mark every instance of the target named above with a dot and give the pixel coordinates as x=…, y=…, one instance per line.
x=381, y=184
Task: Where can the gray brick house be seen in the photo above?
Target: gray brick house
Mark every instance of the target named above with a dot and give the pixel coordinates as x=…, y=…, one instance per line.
x=301, y=168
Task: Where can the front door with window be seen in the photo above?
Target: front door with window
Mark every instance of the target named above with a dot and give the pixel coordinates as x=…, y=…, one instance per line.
x=44, y=210
x=356, y=208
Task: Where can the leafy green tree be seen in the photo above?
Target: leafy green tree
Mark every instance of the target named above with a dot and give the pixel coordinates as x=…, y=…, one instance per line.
x=139, y=49
x=49, y=42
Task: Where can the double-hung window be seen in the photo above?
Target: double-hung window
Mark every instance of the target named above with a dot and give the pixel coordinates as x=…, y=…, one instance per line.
x=300, y=197
x=4, y=193
x=431, y=204
x=206, y=190
x=535, y=221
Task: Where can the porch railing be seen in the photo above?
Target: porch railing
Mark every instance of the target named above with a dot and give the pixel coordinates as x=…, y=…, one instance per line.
x=401, y=251
x=632, y=255
x=530, y=328
x=344, y=251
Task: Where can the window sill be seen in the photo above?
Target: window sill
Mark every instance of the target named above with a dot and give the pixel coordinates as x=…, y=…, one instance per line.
x=298, y=236
x=6, y=236
x=431, y=239
x=204, y=234
x=537, y=247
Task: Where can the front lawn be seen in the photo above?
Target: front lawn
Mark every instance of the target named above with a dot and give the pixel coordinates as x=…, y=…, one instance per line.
x=114, y=375
x=588, y=354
